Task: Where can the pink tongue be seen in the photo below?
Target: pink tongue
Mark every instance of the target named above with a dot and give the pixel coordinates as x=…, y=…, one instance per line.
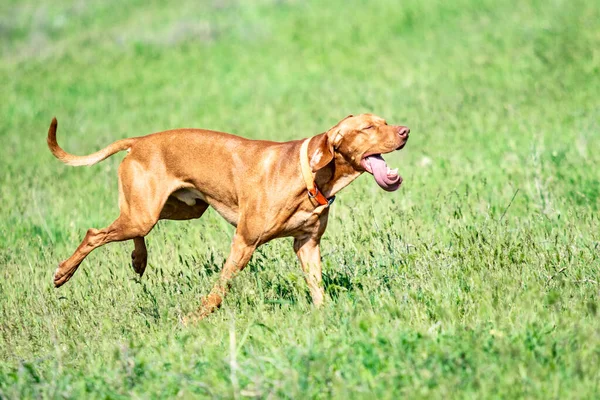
x=380, y=173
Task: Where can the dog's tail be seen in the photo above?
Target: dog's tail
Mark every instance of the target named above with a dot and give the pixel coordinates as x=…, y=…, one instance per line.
x=91, y=159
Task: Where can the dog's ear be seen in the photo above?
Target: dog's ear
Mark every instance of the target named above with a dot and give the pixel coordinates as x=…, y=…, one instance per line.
x=321, y=152
x=324, y=146
x=335, y=134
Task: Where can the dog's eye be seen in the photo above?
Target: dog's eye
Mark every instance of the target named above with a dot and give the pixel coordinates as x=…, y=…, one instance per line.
x=368, y=127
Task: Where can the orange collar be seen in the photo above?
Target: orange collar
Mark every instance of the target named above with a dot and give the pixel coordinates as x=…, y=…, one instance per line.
x=309, y=179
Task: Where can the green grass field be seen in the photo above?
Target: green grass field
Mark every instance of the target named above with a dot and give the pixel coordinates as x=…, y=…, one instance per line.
x=479, y=278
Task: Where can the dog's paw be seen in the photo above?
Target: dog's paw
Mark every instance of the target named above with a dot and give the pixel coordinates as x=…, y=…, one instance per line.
x=192, y=318
x=63, y=274
x=138, y=263
x=60, y=277
x=185, y=321
x=195, y=317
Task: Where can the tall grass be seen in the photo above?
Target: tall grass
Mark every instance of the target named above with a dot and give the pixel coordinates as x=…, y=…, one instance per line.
x=479, y=278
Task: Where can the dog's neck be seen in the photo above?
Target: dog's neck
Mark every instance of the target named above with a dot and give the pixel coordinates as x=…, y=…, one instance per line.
x=335, y=176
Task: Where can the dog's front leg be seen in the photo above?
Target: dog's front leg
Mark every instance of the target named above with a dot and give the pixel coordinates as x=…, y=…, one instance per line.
x=241, y=252
x=308, y=251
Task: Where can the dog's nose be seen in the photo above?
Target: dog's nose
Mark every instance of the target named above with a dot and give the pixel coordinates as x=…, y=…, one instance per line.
x=403, y=131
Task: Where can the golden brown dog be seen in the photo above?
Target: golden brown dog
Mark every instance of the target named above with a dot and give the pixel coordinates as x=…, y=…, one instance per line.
x=265, y=189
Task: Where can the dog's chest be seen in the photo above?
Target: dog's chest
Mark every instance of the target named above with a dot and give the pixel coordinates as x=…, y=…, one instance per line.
x=305, y=220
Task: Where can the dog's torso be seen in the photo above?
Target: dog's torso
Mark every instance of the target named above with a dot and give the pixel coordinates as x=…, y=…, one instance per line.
x=238, y=177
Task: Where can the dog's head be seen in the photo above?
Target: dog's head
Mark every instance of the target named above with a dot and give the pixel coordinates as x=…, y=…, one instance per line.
x=361, y=140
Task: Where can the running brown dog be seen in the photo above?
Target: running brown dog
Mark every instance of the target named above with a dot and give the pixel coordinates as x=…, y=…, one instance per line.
x=265, y=189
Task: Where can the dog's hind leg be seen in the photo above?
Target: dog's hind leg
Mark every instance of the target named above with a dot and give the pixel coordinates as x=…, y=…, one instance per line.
x=141, y=197
x=122, y=229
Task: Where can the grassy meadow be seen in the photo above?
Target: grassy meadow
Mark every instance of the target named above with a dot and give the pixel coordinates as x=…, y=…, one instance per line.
x=479, y=278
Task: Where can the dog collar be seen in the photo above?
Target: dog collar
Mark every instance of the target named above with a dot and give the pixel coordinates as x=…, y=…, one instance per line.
x=309, y=179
